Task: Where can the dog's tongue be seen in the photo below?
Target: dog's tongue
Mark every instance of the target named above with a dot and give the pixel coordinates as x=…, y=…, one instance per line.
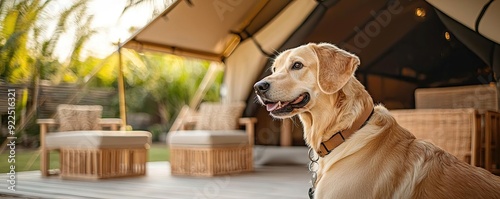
x=276, y=106
x=272, y=107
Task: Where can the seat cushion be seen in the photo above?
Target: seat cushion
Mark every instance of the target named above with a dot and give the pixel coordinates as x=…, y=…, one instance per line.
x=208, y=138
x=98, y=139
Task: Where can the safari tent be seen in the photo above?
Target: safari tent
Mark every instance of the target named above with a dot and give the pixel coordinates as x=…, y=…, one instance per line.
x=402, y=44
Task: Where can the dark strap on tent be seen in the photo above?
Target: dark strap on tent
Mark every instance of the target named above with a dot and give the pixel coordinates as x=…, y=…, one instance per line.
x=481, y=14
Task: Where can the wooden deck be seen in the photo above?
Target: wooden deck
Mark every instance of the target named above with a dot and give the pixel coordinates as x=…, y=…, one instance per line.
x=265, y=182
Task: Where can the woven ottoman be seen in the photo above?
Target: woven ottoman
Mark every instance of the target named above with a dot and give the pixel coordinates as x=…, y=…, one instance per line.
x=101, y=154
x=209, y=153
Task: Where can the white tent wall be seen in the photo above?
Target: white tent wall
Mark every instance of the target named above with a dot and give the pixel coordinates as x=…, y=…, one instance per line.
x=466, y=12
x=489, y=26
x=245, y=64
x=241, y=68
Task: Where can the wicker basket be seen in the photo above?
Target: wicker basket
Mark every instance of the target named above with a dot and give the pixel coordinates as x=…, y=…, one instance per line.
x=210, y=160
x=102, y=163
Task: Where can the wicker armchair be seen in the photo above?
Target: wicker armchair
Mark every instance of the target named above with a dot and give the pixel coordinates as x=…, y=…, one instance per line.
x=216, y=146
x=87, y=151
x=462, y=120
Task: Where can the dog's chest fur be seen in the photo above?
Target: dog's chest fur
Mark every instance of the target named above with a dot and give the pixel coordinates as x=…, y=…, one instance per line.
x=358, y=168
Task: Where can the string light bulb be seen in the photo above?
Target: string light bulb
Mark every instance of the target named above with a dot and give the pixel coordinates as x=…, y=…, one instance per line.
x=420, y=12
x=447, y=36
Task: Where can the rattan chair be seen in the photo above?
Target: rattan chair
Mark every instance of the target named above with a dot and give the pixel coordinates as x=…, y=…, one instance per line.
x=216, y=146
x=462, y=120
x=86, y=150
x=480, y=97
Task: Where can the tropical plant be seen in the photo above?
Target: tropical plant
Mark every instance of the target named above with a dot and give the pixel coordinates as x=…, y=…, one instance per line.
x=170, y=81
x=28, y=41
x=30, y=32
x=157, y=6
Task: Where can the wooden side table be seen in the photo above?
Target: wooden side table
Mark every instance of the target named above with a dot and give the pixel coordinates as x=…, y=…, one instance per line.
x=489, y=124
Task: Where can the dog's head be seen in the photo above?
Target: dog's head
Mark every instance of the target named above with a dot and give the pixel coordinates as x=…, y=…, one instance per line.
x=302, y=74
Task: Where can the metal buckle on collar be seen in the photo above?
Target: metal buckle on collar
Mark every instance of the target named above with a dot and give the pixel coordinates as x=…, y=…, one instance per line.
x=313, y=168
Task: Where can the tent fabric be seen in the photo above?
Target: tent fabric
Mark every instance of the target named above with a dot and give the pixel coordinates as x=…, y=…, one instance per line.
x=474, y=23
x=207, y=29
x=237, y=75
x=295, y=39
x=484, y=48
x=489, y=25
x=274, y=34
x=478, y=15
x=466, y=12
x=252, y=53
x=246, y=34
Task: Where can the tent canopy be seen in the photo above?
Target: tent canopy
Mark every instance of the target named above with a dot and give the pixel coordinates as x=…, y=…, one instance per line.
x=401, y=44
x=207, y=29
x=398, y=40
x=242, y=34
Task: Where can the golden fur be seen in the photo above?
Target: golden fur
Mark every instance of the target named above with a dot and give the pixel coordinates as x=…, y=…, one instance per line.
x=382, y=159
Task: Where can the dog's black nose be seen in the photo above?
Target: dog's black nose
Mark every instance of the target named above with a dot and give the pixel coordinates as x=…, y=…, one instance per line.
x=261, y=87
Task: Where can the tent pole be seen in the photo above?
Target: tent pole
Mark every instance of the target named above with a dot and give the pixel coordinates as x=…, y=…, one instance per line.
x=208, y=79
x=121, y=89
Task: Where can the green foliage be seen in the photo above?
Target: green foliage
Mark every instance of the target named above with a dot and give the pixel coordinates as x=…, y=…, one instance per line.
x=158, y=84
x=157, y=6
x=25, y=51
x=18, y=20
x=169, y=81
x=156, y=130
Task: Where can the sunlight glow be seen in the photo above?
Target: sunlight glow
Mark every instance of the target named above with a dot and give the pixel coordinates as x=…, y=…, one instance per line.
x=109, y=25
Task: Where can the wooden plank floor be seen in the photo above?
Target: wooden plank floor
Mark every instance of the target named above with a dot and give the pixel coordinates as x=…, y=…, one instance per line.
x=265, y=182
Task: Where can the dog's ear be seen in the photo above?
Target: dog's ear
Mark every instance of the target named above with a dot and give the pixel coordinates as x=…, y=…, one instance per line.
x=335, y=67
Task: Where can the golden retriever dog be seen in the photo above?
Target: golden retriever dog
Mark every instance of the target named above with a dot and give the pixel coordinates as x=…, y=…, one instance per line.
x=364, y=152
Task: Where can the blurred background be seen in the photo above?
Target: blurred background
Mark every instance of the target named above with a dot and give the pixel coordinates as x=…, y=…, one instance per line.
x=55, y=52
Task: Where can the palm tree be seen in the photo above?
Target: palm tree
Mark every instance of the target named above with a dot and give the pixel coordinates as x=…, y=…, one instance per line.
x=18, y=20
x=157, y=6
x=26, y=51
x=27, y=43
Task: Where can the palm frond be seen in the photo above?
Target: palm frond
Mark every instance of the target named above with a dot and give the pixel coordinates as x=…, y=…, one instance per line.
x=156, y=6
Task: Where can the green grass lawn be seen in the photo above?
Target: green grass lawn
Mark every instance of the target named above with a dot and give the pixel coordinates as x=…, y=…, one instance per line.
x=157, y=152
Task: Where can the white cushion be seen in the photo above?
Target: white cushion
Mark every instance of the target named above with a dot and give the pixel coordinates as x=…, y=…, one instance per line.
x=208, y=138
x=98, y=139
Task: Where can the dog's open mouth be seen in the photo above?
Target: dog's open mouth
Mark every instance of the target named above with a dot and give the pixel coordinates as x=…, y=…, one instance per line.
x=280, y=107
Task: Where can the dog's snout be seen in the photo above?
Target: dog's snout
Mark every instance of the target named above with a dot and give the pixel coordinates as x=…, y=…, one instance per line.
x=261, y=87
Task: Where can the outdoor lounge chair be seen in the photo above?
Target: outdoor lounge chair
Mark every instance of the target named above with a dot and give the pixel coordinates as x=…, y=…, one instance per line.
x=87, y=151
x=462, y=120
x=216, y=146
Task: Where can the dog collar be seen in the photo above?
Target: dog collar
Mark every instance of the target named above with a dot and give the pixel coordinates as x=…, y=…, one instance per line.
x=338, y=138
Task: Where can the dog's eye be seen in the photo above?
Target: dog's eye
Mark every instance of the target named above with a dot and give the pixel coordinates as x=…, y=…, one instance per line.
x=273, y=69
x=297, y=66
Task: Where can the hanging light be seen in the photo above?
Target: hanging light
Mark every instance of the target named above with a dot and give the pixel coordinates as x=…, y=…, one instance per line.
x=420, y=12
x=447, y=36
